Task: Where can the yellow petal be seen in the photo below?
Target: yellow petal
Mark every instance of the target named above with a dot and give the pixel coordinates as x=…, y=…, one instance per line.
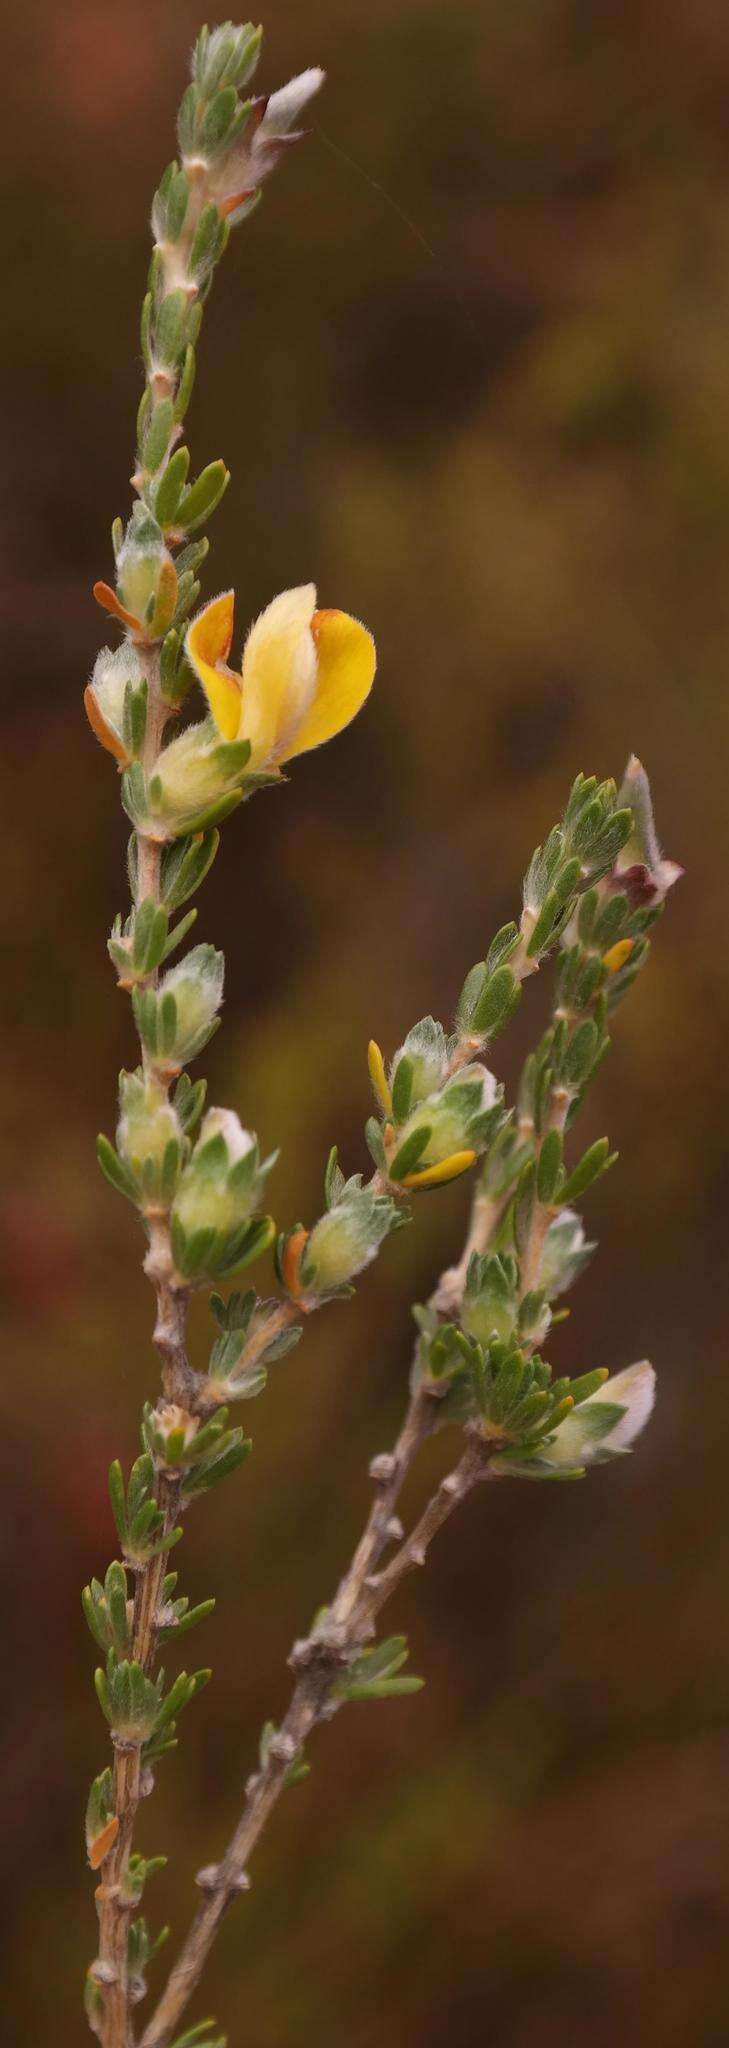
x=279, y=674
x=345, y=673
x=378, y=1076
x=207, y=646
x=436, y=1176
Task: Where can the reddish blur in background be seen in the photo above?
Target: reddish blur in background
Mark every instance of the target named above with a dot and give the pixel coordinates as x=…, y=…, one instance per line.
x=470, y=368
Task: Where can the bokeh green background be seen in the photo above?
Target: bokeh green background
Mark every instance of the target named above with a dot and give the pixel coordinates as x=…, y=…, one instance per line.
x=475, y=382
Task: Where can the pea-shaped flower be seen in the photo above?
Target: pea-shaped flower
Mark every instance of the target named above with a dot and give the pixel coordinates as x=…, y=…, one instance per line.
x=607, y=1423
x=305, y=674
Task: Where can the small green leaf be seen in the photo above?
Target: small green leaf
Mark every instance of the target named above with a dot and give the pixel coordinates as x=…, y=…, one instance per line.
x=115, y=1171
x=157, y=436
x=549, y=1166
x=595, y=1161
x=402, y=1088
x=170, y=487
x=203, y=496
x=411, y=1150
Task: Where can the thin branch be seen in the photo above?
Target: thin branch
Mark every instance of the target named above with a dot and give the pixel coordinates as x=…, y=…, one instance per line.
x=319, y=1660
x=114, y=1904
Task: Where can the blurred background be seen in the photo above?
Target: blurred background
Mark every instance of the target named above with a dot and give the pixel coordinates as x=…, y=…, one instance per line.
x=469, y=366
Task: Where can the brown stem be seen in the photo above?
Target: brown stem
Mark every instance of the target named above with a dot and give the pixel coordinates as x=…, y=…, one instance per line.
x=114, y=1906
x=472, y=1467
x=320, y=1661
x=113, y=1903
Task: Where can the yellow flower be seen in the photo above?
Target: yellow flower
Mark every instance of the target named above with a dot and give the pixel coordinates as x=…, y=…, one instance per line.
x=305, y=674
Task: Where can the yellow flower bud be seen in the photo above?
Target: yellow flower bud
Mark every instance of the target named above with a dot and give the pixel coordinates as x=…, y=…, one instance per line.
x=446, y=1169
x=378, y=1076
x=616, y=956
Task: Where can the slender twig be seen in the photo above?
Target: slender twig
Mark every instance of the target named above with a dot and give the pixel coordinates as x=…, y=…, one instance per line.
x=319, y=1660
x=114, y=1904
x=323, y=1656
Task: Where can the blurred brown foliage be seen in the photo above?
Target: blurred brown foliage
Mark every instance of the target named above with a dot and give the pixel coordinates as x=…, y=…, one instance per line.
x=469, y=366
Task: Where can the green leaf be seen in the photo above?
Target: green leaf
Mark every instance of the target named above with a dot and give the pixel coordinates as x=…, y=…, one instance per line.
x=502, y=946
x=593, y=1163
x=178, y=194
x=200, y=2037
x=412, y=1149
x=203, y=496
x=218, y=120
x=117, y=1497
x=170, y=329
x=184, y=389
x=549, y=1166
x=582, y=1389
x=212, y=1470
x=115, y=1171
x=374, y=1142
x=185, y=865
x=171, y=485
x=581, y=1053
x=402, y=1088
x=471, y=992
x=373, y=1674
x=188, y=1619
x=544, y=927
x=174, y=938
x=333, y=1179
x=157, y=436
x=496, y=1004
x=384, y=1688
